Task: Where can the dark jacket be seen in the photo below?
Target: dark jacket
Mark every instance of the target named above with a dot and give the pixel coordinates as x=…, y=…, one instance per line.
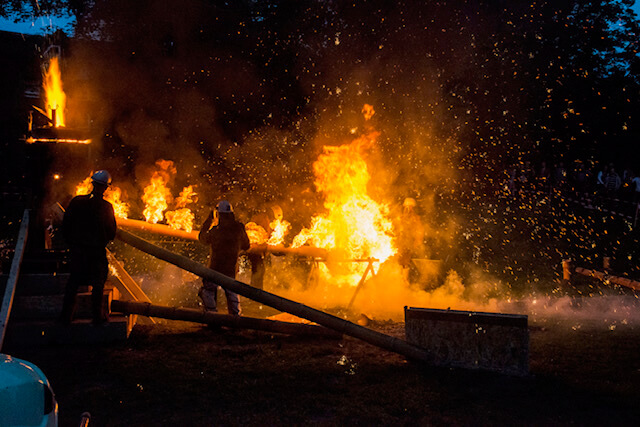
x=226, y=240
x=89, y=221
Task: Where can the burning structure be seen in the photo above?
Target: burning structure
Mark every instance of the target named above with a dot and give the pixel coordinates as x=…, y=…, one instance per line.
x=54, y=129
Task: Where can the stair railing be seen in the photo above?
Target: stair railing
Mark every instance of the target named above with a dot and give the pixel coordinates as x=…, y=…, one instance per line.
x=9, y=291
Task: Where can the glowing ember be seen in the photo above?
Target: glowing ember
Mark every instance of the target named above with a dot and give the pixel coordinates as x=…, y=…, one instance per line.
x=56, y=99
x=113, y=195
x=182, y=218
x=355, y=226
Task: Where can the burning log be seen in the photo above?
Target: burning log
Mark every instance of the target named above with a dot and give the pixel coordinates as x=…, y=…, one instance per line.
x=165, y=230
x=237, y=322
x=306, y=251
x=340, y=325
x=57, y=136
x=160, y=229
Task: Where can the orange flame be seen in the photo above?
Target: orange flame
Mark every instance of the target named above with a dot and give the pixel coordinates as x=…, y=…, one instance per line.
x=187, y=195
x=355, y=226
x=84, y=187
x=156, y=196
x=182, y=218
x=256, y=233
x=113, y=195
x=280, y=228
x=120, y=208
x=56, y=100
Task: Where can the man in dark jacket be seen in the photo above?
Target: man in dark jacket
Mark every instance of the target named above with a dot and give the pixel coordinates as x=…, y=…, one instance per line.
x=226, y=240
x=89, y=224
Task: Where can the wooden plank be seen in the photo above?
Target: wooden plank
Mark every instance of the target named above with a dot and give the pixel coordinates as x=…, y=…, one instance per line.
x=124, y=282
x=41, y=307
x=126, y=285
x=81, y=331
x=40, y=284
x=10, y=288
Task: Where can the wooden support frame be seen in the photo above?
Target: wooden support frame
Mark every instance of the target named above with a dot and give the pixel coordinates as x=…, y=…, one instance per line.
x=376, y=338
x=368, y=270
x=125, y=283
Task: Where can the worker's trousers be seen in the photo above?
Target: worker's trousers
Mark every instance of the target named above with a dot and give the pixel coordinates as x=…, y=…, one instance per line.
x=88, y=267
x=209, y=295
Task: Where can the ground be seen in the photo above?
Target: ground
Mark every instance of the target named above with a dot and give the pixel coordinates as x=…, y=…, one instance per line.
x=178, y=373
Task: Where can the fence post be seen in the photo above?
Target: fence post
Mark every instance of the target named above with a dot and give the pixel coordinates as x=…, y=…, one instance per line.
x=566, y=271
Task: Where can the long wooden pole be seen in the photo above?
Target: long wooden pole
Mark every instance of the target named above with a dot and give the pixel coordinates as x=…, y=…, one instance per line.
x=165, y=230
x=332, y=322
x=162, y=229
x=10, y=288
x=239, y=322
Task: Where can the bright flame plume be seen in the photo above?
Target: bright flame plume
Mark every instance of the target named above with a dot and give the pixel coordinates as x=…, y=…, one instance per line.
x=355, y=226
x=182, y=218
x=156, y=198
x=56, y=100
x=280, y=228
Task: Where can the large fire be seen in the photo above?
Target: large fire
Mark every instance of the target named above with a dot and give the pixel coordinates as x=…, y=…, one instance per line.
x=157, y=197
x=355, y=226
x=56, y=99
x=113, y=195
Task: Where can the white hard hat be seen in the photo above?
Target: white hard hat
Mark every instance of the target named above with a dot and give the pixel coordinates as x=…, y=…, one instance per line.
x=101, y=177
x=224, y=207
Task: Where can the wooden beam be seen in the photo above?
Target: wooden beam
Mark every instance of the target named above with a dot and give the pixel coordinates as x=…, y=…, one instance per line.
x=210, y=318
x=125, y=282
x=9, y=291
x=622, y=281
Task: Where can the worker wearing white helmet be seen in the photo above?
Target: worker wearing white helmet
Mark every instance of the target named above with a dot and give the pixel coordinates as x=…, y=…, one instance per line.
x=88, y=225
x=226, y=240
